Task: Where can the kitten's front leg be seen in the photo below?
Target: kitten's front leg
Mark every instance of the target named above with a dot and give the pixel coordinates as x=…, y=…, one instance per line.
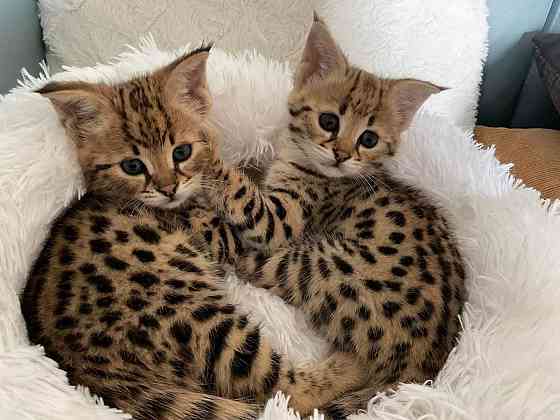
x=268, y=218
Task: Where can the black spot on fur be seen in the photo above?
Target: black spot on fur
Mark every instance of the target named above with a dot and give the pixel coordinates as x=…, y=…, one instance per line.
x=323, y=268
x=66, y=256
x=390, y=308
x=399, y=272
x=144, y=255
x=97, y=359
x=217, y=342
x=348, y=292
x=427, y=277
x=144, y=278
x=364, y=313
x=184, y=265
x=181, y=332
x=66, y=322
x=136, y=303
x=243, y=358
x=105, y=302
x=121, y=236
x=427, y=311
x=85, y=308
x=110, y=318
x=115, y=263
x=412, y=295
x=165, y=311
x=100, y=339
x=147, y=234
x=102, y=283
x=175, y=298
x=397, y=218
x=149, y=321
x=140, y=338
x=87, y=268
x=407, y=261
x=204, y=313
x=271, y=379
x=70, y=233
x=382, y=201
x=100, y=246
x=240, y=193
x=397, y=237
x=342, y=265
x=368, y=256
x=99, y=224
x=387, y=250
x=374, y=285
x=393, y=286
x=176, y=283
x=418, y=234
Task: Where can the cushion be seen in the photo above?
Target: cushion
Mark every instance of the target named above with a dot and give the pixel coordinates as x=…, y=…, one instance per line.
x=547, y=56
x=534, y=152
x=436, y=40
x=506, y=361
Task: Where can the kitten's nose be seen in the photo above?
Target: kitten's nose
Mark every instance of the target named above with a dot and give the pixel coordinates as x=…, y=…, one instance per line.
x=340, y=155
x=168, y=190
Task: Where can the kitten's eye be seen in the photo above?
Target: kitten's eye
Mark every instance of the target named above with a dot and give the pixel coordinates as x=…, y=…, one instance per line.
x=329, y=122
x=133, y=166
x=182, y=153
x=368, y=139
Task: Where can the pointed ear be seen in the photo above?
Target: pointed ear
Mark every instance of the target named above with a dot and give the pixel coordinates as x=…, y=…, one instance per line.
x=186, y=83
x=406, y=97
x=80, y=106
x=321, y=55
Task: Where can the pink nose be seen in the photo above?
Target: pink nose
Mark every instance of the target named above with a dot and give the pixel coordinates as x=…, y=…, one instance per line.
x=168, y=190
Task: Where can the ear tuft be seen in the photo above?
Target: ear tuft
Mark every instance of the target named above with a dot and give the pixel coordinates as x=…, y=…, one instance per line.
x=406, y=97
x=187, y=84
x=79, y=105
x=321, y=55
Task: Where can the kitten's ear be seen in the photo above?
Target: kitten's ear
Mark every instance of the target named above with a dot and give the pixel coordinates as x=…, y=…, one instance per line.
x=186, y=83
x=80, y=106
x=406, y=97
x=321, y=55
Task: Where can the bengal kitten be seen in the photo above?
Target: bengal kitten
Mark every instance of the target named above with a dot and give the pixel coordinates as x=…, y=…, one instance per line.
x=123, y=295
x=370, y=260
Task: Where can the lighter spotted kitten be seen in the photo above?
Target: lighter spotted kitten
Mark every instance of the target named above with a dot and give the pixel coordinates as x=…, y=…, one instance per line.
x=371, y=261
x=126, y=300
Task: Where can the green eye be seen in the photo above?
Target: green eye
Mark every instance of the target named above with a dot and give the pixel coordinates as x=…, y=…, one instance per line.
x=133, y=166
x=182, y=153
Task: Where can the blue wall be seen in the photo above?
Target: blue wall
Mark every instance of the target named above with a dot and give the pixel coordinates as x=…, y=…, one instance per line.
x=20, y=41
x=510, y=56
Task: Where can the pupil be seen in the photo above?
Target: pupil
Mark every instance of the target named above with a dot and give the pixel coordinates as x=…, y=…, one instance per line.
x=368, y=139
x=181, y=153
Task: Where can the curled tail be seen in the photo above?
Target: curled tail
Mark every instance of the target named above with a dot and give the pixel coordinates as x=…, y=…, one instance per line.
x=309, y=386
x=171, y=402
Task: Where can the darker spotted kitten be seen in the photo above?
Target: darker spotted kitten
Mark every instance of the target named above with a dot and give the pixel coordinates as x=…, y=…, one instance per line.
x=370, y=260
x=123, y=296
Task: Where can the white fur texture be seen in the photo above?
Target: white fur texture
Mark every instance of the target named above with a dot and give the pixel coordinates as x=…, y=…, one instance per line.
x=440, y=41
x=506, y=364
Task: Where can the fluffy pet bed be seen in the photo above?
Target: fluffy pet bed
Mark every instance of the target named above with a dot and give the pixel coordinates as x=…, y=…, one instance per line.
x=505, y=365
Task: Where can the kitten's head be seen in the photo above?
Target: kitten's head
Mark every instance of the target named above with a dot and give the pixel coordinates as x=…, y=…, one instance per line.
x=344, y=119
x=148, y=139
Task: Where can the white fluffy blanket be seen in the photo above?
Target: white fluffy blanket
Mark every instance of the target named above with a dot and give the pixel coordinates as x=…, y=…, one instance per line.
x=505, y=365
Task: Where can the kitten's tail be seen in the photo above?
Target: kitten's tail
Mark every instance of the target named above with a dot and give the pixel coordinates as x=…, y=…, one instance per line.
x=309, y=386
x=171, y=402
